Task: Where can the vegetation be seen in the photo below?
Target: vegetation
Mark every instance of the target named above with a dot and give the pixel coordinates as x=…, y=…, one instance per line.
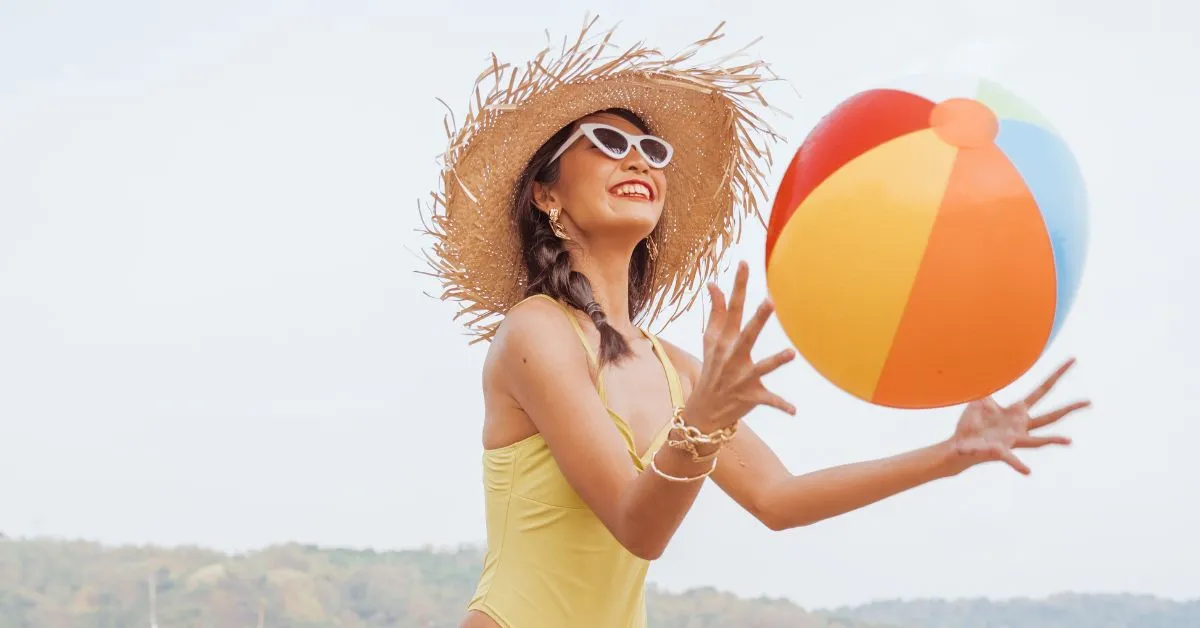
x=53, y=584
x=1066, y=610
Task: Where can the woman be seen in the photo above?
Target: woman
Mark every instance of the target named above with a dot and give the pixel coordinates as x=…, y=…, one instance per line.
x=569, y=217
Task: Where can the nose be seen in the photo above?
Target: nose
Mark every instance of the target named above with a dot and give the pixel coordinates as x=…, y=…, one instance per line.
x=635, y=162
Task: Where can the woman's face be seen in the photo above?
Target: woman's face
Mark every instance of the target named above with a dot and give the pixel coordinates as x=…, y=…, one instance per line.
x=601, y=195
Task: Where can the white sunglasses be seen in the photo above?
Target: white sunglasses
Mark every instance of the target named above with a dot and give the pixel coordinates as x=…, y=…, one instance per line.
x=616, y=144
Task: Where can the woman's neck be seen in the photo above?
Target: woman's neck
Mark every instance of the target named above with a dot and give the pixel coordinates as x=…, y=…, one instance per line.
x=607, y=269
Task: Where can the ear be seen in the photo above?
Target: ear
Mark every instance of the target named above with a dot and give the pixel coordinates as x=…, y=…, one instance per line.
x=544, y=198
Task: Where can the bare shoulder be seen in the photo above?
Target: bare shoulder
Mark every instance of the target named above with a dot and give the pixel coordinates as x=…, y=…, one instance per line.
x=534, y=336
x=533, y=345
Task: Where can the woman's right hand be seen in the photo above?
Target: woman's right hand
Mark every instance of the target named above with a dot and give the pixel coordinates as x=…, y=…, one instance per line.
x=730, y=382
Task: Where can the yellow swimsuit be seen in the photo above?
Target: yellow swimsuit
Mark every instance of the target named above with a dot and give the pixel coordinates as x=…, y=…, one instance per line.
x=550, y=562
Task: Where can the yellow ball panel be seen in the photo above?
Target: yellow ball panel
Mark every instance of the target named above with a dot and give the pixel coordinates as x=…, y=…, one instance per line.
x=843, y=266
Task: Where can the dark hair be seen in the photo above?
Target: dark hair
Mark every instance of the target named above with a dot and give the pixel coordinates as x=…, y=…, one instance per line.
x=547, y=263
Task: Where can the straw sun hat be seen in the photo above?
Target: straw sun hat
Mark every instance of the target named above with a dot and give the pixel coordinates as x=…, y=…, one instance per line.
x=704, y=109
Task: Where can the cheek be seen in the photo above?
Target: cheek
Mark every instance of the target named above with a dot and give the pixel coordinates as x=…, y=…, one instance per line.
x=583, y=180
x=660, y=182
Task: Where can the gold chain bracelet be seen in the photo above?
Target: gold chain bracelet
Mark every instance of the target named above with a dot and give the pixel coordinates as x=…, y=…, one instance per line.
x=692, y=436
x=695, y=436
x=691, y=449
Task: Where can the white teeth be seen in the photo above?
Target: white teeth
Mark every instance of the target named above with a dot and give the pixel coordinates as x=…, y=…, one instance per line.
x=632, y=189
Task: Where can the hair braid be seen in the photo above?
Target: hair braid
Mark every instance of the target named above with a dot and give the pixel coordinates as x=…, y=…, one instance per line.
x=550, y=273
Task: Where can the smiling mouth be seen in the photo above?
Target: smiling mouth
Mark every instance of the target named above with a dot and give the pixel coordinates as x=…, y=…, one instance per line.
x=633, y=190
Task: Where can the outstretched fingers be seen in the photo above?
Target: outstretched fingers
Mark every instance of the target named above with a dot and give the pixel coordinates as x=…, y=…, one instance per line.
x=1033, y=442
x=769, y=364
x=754, y=327
x=718, y=309
x=1047, y=385
x=716, y=320
x=768, y=398
x=1050, y=417
x=1007, y=455
x=727, y=344
x=737, y=300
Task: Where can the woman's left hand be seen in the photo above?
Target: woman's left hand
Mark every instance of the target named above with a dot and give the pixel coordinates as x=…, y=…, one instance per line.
x=986, y=431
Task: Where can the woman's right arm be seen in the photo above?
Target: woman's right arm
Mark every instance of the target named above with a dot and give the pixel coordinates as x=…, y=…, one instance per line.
x=544, y=368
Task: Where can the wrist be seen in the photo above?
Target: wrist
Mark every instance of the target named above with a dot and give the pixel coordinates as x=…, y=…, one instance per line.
x=688, y=448
x=949, y=460
x=680, y=466
x=686, y=416
x=682, y=460
x=700, y=430
x=679, y=439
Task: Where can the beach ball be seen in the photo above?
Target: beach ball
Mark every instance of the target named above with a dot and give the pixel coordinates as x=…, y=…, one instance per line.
x=926, y=242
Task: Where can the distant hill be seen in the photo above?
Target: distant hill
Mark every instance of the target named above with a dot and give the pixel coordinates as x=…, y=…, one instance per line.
x=1067, y=610
x=56, y=584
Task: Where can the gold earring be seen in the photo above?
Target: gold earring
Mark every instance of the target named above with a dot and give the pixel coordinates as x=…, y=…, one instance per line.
x=556, y=226
x=651, y=247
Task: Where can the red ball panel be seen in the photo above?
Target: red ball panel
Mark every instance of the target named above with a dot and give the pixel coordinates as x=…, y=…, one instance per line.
x=857, y=125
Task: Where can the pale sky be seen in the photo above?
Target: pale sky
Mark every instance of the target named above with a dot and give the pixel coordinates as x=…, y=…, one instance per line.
x=211, y=331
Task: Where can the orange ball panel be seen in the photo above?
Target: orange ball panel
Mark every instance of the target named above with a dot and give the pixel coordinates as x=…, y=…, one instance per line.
x=982, y=304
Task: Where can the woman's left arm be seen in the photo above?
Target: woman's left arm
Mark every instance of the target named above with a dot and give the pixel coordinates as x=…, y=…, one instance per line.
x=754, y=476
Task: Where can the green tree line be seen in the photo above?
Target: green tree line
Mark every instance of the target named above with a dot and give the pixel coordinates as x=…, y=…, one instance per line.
x=77, y=584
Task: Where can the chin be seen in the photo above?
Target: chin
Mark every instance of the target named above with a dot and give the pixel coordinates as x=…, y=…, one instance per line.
x=634, y=225
x=632, y=214
x=620, y=220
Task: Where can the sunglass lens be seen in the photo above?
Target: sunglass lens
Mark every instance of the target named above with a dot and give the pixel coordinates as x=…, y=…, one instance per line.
x=655, y=150
x=611, y=140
